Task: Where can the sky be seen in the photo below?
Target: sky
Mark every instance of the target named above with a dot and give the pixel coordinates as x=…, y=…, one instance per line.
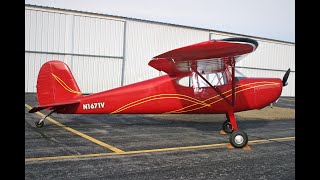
x=271, y=19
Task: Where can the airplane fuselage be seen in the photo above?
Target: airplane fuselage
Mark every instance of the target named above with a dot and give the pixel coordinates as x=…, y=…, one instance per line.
x=165, y=95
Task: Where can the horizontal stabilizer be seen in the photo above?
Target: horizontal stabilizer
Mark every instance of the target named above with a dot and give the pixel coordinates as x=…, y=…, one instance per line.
x=54, y=105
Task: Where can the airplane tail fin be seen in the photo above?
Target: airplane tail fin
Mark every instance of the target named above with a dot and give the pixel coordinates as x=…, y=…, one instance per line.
x=56, y=84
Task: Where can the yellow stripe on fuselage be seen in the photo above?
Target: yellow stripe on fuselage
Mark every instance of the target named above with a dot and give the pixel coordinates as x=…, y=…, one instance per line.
x=188, y=98
x=267, y=83
x=64, y=85
x=162, y=96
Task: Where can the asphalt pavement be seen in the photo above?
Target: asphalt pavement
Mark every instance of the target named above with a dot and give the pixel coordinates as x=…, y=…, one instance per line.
x=147, y=147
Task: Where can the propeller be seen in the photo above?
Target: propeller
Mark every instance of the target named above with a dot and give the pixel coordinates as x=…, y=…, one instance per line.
x=285, y=78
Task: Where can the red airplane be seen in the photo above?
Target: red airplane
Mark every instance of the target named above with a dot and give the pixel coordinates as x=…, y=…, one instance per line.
x=220, y=92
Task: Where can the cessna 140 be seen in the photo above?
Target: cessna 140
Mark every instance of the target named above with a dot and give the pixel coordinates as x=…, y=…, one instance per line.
x=219, y=92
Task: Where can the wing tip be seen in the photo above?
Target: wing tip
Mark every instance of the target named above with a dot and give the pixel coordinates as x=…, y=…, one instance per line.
x=244, y=40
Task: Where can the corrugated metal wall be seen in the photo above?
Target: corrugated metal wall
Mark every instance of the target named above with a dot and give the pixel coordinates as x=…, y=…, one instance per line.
x=94, y=36
x=146, y=40
x=91, y=46
x=33, y=62
x=106, y=52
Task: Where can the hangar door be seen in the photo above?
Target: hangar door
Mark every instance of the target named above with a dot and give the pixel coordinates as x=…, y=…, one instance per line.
x=92, y=46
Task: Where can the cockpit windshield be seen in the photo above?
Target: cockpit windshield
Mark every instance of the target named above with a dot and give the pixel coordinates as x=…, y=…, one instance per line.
x=239, y=75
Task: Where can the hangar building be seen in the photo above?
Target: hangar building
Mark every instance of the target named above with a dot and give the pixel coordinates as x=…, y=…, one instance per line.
x=105, y=52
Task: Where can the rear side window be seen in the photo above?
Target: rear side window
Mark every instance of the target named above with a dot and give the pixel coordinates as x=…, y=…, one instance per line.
x=216, y=79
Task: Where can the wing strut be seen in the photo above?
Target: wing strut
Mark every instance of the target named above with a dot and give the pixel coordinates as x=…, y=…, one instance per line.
x=233, y=62
x=213, y=87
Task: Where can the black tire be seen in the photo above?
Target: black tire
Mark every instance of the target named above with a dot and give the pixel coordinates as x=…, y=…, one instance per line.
x=39, y=125
x=227, y=127
x=238, y=139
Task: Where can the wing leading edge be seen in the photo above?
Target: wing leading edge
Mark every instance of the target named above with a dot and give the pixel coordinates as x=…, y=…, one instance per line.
x=209, y=56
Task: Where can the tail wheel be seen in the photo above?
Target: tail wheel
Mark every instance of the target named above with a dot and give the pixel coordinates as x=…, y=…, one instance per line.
x=39, y=124
x=227, y=127
x=238, y=139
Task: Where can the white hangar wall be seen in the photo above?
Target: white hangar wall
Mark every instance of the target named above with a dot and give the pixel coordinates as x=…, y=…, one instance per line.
x=105, y=52
x=92, y=46
x=146, y=40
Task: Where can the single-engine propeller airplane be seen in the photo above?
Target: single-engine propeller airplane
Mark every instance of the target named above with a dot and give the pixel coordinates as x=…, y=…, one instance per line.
x=200, y=79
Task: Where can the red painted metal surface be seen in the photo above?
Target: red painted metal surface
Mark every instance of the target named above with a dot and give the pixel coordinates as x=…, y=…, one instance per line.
x=202, y=54
x=165, y=95
x=209, y=49
x=56, y=84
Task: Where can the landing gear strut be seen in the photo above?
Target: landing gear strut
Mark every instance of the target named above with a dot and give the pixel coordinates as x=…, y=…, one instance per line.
x=238, y=138
x=40, y=123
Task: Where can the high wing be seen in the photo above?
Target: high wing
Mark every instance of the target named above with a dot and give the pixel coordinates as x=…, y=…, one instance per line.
x=207, y=57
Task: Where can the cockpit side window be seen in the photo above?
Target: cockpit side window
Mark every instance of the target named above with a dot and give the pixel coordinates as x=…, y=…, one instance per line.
x=215, y=79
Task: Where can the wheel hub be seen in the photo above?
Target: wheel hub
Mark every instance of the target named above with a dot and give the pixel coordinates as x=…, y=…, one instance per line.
x=238, y=139
x=229, y=126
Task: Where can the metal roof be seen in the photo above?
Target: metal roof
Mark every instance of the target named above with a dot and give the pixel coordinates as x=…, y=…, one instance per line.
x=156, y=22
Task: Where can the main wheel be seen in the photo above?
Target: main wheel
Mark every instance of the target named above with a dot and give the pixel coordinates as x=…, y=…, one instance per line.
x=238, y=139
x=39, y=125
x=227, y=127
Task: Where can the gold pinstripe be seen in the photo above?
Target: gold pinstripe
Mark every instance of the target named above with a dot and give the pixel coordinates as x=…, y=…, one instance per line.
x=226, y=97
x=266, y=83
x=195, y=101
x=64, y=85
x=155, y=97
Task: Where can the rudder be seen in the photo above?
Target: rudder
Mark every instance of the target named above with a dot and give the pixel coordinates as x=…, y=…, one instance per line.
x=56, y=83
